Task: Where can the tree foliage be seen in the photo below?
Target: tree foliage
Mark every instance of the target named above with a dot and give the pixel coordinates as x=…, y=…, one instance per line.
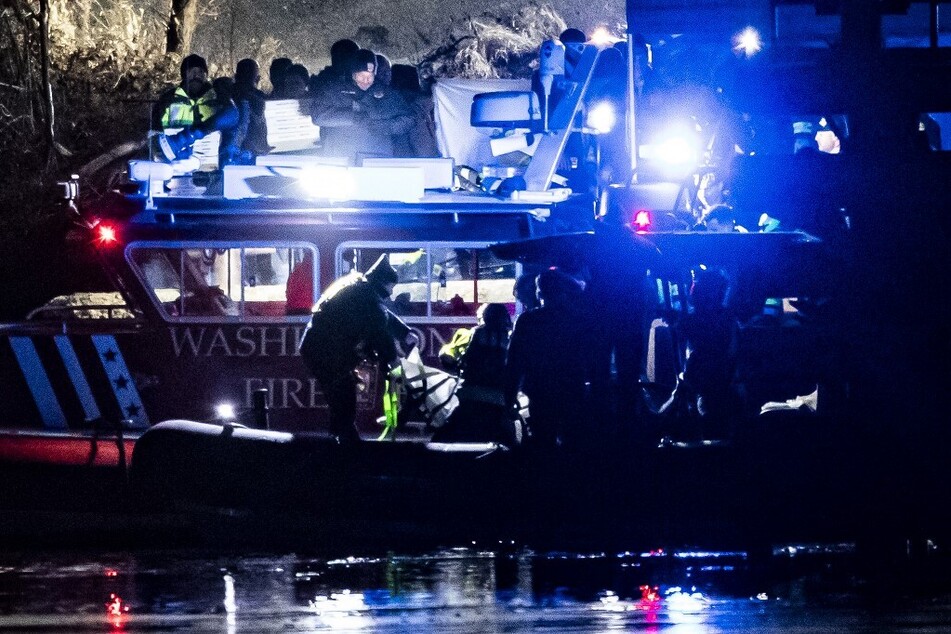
x=494, y=46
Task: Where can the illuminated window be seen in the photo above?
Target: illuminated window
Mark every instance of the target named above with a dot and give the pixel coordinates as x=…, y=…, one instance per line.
x=227, y=281
x=437, y=280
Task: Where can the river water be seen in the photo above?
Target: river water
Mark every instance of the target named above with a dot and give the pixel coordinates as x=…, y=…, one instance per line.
x=796, y=588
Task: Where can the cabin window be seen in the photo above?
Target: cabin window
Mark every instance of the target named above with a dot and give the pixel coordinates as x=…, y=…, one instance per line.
x=437, y=280
x=226, y=281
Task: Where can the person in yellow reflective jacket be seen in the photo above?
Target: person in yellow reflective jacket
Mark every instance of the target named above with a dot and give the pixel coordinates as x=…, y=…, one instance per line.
x=450, y=354
x=195, y=107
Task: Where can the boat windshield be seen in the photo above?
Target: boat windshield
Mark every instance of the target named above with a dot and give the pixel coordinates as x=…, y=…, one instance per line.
x=244, y=280
x=437, y=279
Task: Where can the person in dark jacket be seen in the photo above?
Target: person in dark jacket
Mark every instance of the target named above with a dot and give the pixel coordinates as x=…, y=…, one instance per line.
x=294, y=83
x=548, y=361
x=249, y=137
x=195, y=107
x=705, y=389
x=351, y=324
x=420, y=140
x=617, y=298
x=481, y=414
x=340, y=53
x=276, y=73
x=358, y=118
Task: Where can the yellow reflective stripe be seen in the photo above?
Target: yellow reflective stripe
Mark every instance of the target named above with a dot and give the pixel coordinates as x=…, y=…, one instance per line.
x=205, y=107
x=391, y=404
x=181, y=112
x=178, y=115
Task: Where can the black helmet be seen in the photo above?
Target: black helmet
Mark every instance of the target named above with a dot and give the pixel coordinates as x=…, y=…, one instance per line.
x=341, y=51
x=193, y=61
x=362, y=60
x=382, y=273
x=557, y=287
x=573, y=36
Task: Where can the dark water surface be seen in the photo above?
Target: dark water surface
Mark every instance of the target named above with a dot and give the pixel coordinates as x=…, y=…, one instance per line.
x=801, y=588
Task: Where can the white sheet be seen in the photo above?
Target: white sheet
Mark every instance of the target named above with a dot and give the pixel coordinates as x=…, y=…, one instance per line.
x=453, y=102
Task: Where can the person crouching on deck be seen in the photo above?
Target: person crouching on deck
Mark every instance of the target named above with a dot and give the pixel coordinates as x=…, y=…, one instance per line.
x=351, y=324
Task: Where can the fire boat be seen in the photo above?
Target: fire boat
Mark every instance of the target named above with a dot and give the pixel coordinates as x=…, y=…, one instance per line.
x=182, y=390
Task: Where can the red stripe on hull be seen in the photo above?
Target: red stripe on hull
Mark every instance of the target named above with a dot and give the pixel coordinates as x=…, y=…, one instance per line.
x=62, y=450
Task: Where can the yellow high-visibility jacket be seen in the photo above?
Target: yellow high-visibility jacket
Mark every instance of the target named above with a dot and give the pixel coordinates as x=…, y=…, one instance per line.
x=180, y=111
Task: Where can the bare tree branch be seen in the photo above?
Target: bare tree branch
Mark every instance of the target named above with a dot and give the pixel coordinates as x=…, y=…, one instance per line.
x=181, y=24
x=45, y=82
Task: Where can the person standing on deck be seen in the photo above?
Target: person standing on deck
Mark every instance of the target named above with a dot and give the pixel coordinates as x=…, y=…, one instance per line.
x=548, y=360
x=359, y=117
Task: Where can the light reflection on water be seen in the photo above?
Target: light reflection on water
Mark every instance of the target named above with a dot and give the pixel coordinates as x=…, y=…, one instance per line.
x=451, y=590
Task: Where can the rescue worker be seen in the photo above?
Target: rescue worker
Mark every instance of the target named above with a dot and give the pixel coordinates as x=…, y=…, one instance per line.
x=705, y=389
x=450, y=353
x=574, y=42
x=616, y=297
x=250, y=135
x=276, y=73
x=351, y=324
x=525, y=292
x=579, y=162
x=420, y=140
x=358, y=118
x=721, y=219
x=548, y=361
x=340, y=53
x=481, y=414
x=294, y=83
x=194, y=106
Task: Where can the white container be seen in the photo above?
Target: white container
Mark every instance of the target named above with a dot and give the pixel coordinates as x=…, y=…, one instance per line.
x=145, y=171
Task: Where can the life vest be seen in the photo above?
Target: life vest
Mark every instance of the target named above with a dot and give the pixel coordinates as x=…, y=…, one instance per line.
x=184, y=111
x=452, y=352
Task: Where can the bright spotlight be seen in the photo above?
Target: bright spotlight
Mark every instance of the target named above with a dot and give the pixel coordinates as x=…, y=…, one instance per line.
x=677, y=150
x=601, y=118
x=602, y=37
x=225, y=411
x=326, y=181
x=748, y=42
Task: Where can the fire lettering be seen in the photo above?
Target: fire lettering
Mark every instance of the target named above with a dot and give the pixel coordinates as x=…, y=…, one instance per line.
x=280, y=339
x=286, y=392
x=243, y=341
x=219, y=341
x=246, y=346
x=188, y=337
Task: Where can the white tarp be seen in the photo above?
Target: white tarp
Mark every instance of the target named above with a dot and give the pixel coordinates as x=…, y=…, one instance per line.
x=453, y=103
x=433, y=390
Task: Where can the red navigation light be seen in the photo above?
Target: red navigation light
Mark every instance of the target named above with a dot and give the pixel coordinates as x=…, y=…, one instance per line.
x=106, y=234
x=642, y=220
